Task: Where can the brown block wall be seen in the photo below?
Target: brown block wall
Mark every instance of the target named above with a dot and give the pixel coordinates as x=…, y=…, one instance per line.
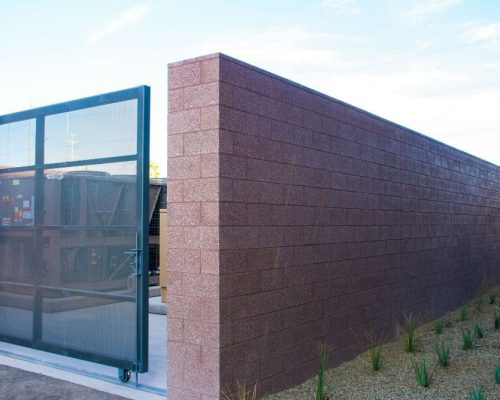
x=193, y=322
x=297, y=219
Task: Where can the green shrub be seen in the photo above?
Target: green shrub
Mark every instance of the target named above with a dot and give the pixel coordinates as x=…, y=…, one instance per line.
x=323, y=355
x=410, y=337
x=479, y=304
x=438, y=326
x=477, y=394
x=492, y=298
x=422, y=373
x=376, y=357
x=467, y=339
x=443, y=353
x=478, y=330
x=464, y=313
x=497, y=373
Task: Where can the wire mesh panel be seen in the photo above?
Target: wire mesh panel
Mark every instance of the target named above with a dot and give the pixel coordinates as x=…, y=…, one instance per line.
x=17, y=254
x=17, y=143
x=74, y=228
x=98, y=132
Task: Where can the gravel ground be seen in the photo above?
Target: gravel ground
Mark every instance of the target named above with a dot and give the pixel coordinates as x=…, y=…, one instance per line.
x=396, y=378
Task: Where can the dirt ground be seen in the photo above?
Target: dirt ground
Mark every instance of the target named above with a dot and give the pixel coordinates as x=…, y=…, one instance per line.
x=17, y=384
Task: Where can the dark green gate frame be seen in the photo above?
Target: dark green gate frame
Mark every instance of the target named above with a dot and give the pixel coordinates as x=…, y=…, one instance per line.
x=141, y=158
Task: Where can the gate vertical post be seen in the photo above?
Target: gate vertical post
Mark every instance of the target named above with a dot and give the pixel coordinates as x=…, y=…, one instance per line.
x=38, y=223
x=143, y=243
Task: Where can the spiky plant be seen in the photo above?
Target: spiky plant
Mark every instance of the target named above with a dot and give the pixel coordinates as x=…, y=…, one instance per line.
x=443, y=352
x=477, y=394
x=478, y=330
x=323, y=356
x=438, y=326
x=464, y=313
x=242, y=393
x=422, y=373
x=410, y=335
x=467, y=339
x=479, y=304
x=497, y=373
x=376, y=357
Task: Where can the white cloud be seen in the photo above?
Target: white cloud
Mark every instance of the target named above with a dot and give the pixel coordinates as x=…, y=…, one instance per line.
x=452, y=103
x=467, y=120
x=417, y=82
x=277, y=49
x=424, y=10
x=489, y=33
x=492, y=65
x=342, y=6
x=126, y=18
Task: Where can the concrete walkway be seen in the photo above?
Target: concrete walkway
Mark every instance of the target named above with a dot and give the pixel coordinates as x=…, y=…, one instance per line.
x=23, y=385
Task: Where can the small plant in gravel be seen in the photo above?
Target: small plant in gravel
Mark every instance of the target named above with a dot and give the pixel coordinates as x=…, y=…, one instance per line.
x=242, y=393
x=464, y=313
x=479, y=304
x=422, y=373
x=443, y=353
x=477, y=394
x=375, y=351
x=376, y=357
x=320, y=389
x=467, y=339
x=492, y=297
x=497, y=320
x=438, y=326
x=497, y=373
x=478, y=330
x=410, y=336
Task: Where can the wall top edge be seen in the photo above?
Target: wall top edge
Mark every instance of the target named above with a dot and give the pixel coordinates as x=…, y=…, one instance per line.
x=325, y=96
x=196, y=59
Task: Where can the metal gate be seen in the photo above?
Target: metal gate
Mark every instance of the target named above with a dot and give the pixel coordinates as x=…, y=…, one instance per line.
x=74, y=229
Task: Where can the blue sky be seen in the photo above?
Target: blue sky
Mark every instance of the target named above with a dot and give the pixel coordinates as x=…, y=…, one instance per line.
x=431, y=65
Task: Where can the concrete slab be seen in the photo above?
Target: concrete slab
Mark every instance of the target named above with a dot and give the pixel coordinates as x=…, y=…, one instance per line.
x=156, y=306
x=154, y=291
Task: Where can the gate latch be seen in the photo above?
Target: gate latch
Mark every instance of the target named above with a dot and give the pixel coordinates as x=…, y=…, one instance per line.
x=136, y=270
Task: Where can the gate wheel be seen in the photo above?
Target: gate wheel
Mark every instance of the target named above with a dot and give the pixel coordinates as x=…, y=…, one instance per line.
x=124, y=375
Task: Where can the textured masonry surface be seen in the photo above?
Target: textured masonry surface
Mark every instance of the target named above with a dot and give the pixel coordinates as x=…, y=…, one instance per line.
x=296, y=219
